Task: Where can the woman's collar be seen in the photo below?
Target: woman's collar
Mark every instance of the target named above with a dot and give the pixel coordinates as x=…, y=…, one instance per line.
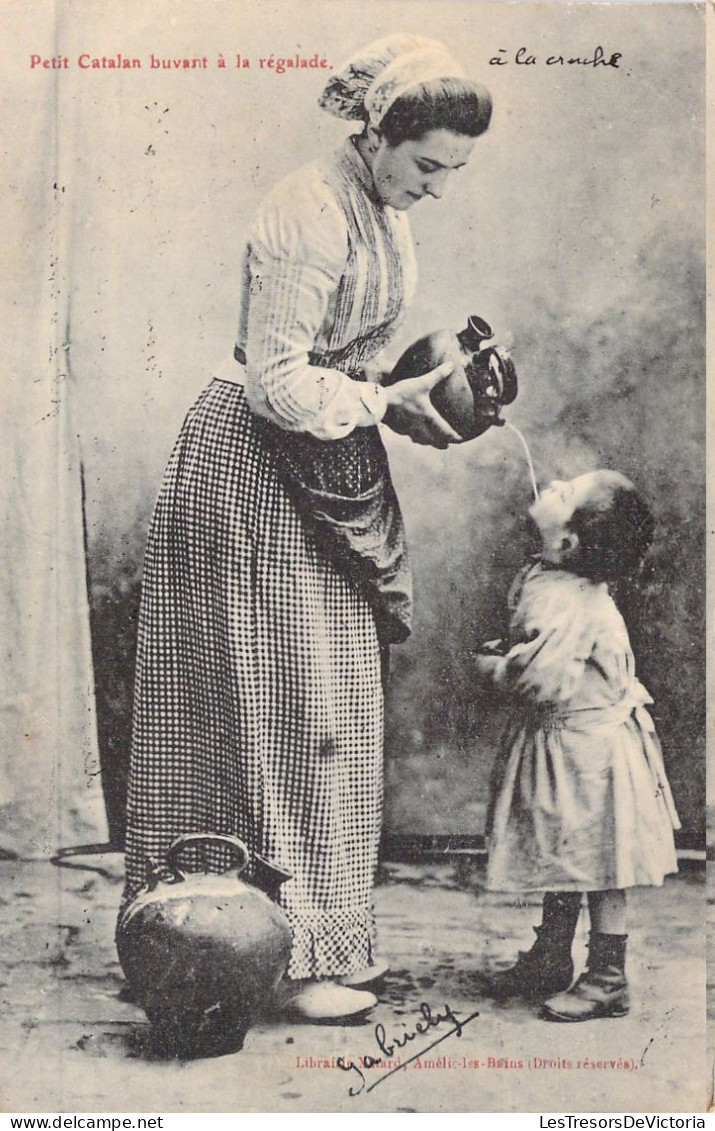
x=357, y=169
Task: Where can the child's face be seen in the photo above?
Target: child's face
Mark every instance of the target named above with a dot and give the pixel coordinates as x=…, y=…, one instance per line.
x=554, y=509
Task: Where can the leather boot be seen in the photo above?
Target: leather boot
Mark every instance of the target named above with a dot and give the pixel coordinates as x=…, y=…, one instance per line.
x=602, y=991
x=548, y=966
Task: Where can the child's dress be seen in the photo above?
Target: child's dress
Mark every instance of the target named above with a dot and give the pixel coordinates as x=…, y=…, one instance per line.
x=580, y=800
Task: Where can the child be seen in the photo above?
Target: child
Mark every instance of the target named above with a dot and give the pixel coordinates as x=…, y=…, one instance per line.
x=580, y=801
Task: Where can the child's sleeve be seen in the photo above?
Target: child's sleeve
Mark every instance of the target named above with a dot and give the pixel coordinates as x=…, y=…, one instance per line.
x=550, y=664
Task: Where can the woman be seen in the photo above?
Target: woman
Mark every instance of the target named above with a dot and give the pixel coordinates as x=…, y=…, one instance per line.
x=276, y=573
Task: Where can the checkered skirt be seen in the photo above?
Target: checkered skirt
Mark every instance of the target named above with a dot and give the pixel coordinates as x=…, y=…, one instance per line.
x=258, y=703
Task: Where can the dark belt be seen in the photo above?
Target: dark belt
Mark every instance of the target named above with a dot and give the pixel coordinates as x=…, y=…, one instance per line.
x=313, y=359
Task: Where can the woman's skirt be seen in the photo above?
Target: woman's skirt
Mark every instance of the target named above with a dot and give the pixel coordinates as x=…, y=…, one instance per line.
x=258, y=702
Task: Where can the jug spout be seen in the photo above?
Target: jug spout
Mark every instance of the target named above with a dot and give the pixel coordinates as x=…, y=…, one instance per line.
x=268, y=877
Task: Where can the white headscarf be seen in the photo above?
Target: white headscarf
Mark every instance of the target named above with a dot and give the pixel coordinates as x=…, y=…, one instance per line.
x=382, y=72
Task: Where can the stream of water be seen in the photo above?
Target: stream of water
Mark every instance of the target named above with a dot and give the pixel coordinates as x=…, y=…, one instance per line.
x=534, y=487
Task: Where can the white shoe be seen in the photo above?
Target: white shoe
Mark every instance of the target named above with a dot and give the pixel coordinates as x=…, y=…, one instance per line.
x=327, y=1001
x=364, y=979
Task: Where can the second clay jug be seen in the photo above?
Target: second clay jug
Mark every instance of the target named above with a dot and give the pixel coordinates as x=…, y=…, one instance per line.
x=203, y=952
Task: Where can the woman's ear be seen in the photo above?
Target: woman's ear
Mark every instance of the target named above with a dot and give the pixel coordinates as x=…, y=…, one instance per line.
x=374, y=137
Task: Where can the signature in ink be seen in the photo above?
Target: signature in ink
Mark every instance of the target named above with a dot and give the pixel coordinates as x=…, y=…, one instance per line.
x=388, y=1045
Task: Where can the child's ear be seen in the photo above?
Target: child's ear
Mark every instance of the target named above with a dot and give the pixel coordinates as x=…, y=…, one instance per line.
x=569, y=543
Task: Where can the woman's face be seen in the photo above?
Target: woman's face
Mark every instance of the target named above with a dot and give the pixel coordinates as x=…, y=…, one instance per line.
x=404, y=173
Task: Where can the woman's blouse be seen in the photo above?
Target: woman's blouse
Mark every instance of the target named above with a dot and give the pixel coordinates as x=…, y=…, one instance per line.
x=326, y=275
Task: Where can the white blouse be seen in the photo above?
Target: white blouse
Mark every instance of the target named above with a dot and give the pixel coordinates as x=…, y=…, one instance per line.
x=326, y=275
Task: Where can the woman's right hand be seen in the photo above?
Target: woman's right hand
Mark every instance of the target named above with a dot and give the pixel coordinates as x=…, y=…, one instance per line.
x=410, y=411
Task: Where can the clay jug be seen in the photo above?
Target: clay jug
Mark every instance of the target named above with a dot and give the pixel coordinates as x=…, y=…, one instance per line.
x=204, y=951
x=483, y=380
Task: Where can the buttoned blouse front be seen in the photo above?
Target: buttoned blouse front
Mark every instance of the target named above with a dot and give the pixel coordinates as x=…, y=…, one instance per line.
x=326, y=275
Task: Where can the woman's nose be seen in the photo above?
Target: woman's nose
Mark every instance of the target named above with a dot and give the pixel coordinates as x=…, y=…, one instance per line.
x=435, y=185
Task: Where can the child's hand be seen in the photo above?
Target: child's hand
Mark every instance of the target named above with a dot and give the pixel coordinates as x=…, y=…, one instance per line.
x=485, y=662
x=493, y=648
x=488, y=656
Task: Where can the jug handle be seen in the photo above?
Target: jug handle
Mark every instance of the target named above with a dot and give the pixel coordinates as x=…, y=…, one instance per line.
x=186, y=839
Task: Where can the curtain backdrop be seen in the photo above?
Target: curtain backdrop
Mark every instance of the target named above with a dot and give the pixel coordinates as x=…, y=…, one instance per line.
x=50, y=784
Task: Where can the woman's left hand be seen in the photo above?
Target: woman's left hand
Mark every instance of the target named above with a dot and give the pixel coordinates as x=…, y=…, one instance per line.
x=410, y=411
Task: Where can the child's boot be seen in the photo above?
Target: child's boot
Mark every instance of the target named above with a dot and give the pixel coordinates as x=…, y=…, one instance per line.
x=602, y=991
x=548, y=966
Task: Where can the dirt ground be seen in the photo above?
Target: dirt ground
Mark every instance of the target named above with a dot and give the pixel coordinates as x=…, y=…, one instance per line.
x=70, y=1044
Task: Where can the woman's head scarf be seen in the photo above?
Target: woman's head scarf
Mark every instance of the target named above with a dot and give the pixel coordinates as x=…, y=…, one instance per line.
x=365, y=87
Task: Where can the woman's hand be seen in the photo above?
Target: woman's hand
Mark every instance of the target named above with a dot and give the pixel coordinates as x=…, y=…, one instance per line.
x=410, y=411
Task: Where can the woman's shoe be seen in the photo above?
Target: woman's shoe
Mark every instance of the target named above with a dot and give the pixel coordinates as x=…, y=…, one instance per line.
x=328, y=1001
x=367, y=978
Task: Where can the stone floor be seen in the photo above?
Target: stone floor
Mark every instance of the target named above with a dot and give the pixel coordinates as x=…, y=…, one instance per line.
x=69, y=1043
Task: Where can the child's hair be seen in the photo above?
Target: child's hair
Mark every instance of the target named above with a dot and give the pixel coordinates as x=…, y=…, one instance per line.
x=615, y=530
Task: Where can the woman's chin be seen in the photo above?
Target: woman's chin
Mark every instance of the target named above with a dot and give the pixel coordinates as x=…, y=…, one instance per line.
x=405, y=201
